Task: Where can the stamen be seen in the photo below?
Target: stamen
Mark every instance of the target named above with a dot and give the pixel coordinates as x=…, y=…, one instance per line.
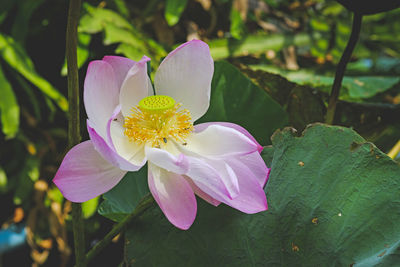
x=157, y=119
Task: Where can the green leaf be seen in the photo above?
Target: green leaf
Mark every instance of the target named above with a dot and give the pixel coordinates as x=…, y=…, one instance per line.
x=17, y=58
x=333, y=201
x=21, y=25
x=26, y=179
x=89, y=207
x=256, y=44
x=356, y=87
x=237, y=24
x=173, y=11
x=234, y=98
x=9, y=109
x=123, y=198
x=3, y=180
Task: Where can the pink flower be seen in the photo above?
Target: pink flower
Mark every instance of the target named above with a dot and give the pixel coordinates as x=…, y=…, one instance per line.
x=129, y=126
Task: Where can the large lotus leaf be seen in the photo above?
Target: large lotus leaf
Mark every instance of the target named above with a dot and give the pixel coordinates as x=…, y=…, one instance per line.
x=235, y=98
x=123, y=198
x=333, y=201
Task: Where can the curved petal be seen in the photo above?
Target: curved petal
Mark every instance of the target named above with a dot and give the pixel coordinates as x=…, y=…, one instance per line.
x=117, y=140
x=108, y=153
x=257, y=166
x=185, y=75
x=201, y=193
x=167, y=161
x=205, y=176
x=101, y=94
x=207, y=179
x=84, y=174
x=202, y=126
x=219, y=141
x=135, y=86
x=174, y=196
x=121, y=66
x=227, y=175
x=252, y=197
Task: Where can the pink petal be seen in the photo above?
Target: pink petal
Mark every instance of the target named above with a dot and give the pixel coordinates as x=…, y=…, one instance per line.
x=257, y=166
x=101, y=94
x=207, y=179
x=201, y=193
x=202, y=126
x=185, y=75
x=164, y=159
x=174, y=196
x=227, y=175
x=252, y=197
x=121, y=66
x=108, y=153
x=135, y=86
x=84, y=174
x=219, y=141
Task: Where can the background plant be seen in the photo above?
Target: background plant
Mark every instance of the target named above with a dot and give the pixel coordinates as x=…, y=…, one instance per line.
x=284, y=55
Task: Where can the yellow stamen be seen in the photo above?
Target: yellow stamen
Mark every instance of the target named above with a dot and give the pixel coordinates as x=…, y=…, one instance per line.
x=156, y=120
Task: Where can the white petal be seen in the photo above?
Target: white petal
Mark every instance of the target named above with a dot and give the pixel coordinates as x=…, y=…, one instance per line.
x=219, y=141
x=135, y=87
x=100, y=94
x=185, y=75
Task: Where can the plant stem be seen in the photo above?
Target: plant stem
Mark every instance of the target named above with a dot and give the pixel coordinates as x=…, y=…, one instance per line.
x=73, y=122
x=144, y=204
x=341, y=67
x=395, y=150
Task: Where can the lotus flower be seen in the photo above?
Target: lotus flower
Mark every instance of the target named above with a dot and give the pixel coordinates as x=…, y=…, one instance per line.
x=129, y=125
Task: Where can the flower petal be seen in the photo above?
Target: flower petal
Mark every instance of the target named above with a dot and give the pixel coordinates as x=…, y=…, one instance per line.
x=109, y=154
x=100, y=95
x=257, y=166
x=252, y=197
x=219, y=141
x=135, y=86
x=84, y=174
x=120, y=143
x=185, y=75
x=202, y=126
x=201, y=193
x=121, y=66
x=174, y=196
x=202, y=174
x=227, y=175
x=166, y=160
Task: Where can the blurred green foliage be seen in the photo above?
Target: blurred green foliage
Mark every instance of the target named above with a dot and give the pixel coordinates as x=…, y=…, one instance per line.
x=287, y=48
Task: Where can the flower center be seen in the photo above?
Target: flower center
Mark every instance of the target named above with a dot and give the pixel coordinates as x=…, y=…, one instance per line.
x=156, y=120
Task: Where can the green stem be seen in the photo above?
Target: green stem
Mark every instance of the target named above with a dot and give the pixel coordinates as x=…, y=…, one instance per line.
x=73, y=122
x=145, y=203
x=341, y=67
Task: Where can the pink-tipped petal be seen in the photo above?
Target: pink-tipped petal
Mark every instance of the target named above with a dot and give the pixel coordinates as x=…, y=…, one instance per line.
x=257, y=166
x=227, y=175
x=121, y=66
x=201, y=193
x=252, y=197
x=108, y=153
x=135, y=86
x=174, y=196
x=202, y=126
x=84, y=174
x=164, y=159
x=101, y=94
x=185, y=75
x=207, y=179
x=220, y=141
